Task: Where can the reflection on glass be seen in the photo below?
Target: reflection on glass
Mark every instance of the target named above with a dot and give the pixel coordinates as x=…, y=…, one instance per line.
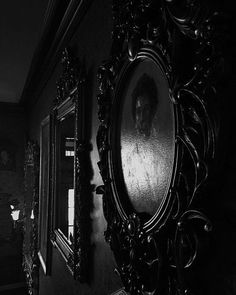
x=65, y=176
x=71, y=207
x=69, y=147
x=147, y=137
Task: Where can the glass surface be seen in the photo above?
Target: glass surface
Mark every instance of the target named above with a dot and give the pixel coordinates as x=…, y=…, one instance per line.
x=65, y=175
x=147, y=137
x=70, y=216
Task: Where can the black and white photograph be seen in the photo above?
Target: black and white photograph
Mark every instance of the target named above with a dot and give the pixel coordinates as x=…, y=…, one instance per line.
x=146, y=136
x=117, y=147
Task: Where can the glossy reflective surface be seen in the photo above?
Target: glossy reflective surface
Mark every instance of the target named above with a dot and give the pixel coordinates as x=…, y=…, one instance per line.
x=65, y=176
x=147, y=137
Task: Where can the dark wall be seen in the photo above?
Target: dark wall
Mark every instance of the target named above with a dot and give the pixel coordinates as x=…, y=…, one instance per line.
x=91, y=44
x=12, y=140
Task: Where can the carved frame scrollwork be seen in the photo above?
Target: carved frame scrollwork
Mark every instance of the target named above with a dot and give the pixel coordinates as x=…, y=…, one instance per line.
x=70, y=98
x=154, y=256
x=30, y=256
x=44, y=248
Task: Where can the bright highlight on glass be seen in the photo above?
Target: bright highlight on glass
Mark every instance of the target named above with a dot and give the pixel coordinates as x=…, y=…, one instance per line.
x=71, y=205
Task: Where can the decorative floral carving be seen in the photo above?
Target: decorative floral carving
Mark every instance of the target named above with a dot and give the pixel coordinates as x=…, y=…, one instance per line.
x=70, y=75
x=82, y=214
x=154, y=255
x=71, y=88
x=30, y=242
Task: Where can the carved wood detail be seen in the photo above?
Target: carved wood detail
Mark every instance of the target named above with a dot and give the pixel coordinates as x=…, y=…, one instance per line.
x=30, y=242
x=70, y=89
x=154, y=256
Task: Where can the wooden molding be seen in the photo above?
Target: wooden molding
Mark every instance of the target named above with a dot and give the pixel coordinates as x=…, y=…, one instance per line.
x=59, y=26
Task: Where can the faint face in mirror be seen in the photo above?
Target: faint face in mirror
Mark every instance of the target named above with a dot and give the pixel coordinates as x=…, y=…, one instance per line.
x=144, y=105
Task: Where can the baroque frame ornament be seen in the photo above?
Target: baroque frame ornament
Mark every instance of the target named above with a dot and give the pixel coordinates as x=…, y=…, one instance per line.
x=30, y=256
x=155, y=256
x=44, y=245
x=70, y=99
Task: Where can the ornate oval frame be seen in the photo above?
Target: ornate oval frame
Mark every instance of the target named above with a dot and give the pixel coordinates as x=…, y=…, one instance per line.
x=155, y=255
x=146, y=53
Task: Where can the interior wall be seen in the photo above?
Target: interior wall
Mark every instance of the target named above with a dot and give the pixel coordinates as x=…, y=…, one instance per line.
x=12, y=130
x=12, y=141
x=91, y=44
